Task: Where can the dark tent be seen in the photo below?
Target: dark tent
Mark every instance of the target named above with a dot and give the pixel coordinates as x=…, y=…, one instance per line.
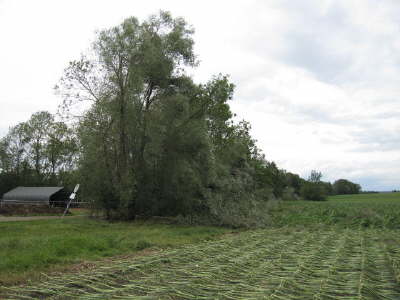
x=37, y=195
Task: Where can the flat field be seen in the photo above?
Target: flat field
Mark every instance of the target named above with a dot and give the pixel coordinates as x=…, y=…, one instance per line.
x=314, y=258
x=363, y=210
x=264, y=264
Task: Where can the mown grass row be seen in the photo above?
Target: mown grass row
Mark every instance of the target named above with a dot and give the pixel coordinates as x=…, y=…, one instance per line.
x=31, y=247
x=335, y=263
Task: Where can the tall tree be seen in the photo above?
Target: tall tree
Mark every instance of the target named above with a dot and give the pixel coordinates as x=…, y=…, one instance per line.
x=314, y=189
x=152, y=140
x=60, y=149
x=36, y=134
x=14, y=149
x=315, y=176
x=134, y=64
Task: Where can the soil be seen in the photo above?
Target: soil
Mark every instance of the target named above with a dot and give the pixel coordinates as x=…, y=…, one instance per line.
x=29, y=210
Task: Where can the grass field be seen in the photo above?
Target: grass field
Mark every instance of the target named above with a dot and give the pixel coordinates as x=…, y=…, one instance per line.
x=265, y=264
x=31, y=247
x=365, y=210
x=324, y=251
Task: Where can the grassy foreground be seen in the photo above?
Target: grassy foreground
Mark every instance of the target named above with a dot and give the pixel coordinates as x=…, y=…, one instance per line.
x=31, y=247
x=344, y=248
x=275, y=264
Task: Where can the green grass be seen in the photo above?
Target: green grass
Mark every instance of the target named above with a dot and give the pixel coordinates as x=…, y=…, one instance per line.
x=365, y=210
x=79, y=211
x=31, y=247
x=367, y=197
x=280, y=263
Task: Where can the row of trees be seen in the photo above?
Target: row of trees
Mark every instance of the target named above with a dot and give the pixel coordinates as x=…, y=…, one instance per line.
x=41, y=151
x=152, y=141
x=317, y=190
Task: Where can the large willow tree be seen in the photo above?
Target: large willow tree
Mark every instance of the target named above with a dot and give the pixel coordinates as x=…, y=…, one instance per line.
x=153, y=141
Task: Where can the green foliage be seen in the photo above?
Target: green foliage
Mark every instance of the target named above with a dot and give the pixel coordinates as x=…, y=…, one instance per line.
x=315, y=176
x=328, y=187
x=343, y=187
x=313, y=191
x=145, y=125
x=294, y=181
x=155, y=143
x=152, y=142
x=38, y=152
x=289, y=194
x=268, y=175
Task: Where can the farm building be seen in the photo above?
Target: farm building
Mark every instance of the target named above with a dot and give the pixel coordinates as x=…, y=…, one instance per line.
x=48, y=195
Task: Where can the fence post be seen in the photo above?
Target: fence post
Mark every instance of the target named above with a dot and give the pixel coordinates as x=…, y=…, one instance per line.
x=71, y=198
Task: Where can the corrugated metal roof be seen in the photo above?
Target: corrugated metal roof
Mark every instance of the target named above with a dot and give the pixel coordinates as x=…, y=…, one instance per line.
x=33, y=194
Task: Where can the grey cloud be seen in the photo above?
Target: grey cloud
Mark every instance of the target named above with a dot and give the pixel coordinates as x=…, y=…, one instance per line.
x=323, y=38
x=297, y=112
x=376, y=139
x=386, y=115
x=341, y=50
x=307, y=52
x=377, y=183
x=378, y=175
x=313, y=43
x=366, y=133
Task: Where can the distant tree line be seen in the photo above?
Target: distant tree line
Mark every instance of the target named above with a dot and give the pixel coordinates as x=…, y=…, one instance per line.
x=152, y=142
x=38, y=152
x=343, y=187
x=316, y=190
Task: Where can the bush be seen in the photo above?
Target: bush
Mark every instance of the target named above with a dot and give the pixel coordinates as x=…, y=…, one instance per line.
x=289, y=194
x=313, y=191
x=245, y=213
x=344, y=187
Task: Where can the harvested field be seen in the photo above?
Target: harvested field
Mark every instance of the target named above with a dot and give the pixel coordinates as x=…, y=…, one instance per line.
x=286, y=263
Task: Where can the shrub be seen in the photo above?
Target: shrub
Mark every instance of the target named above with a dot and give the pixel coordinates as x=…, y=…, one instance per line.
x=313, y=191
x=343, y=187
x=289, y=194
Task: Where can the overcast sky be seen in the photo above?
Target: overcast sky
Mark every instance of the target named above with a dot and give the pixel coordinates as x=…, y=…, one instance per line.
x=318, y=80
